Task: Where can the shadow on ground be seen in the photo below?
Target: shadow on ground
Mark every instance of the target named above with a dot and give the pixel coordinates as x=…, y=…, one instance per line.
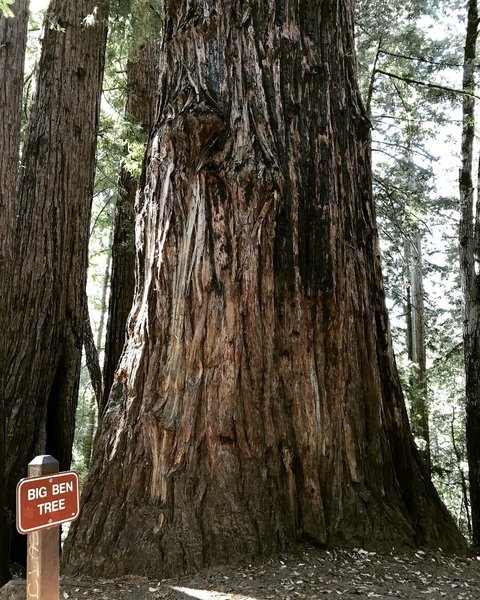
x=305, y=573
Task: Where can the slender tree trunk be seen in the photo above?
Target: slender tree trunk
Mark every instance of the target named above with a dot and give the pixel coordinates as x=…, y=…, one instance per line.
x=408, y=296
x=53, y=216
x=89, y=434
x=92, y=348
x=142, y=79
x=257, y=400
x=371, y=83
x=417, y=350
x=92, y=358
x=122, y=279
x=469, y=267
x=13, y=39
x=460, y=458
x=103, y=299
x=93, y=362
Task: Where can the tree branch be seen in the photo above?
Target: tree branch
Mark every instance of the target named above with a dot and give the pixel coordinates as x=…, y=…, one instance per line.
x=418, y=59
x=434, y=86
x=371, y=83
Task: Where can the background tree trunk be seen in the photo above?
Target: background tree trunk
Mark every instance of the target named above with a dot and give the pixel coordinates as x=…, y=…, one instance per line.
x=142, y=79
x=257, y=400
x=53, y=216
x=460, y=458
x=469, y=232
x=13, y=39
x=417, y=349
x=91, y=349
x=91, y=354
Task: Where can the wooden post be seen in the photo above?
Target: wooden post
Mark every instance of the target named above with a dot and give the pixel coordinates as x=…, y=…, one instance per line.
x=43, y=547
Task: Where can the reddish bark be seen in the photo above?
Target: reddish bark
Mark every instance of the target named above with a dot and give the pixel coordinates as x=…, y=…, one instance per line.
x=257, y=400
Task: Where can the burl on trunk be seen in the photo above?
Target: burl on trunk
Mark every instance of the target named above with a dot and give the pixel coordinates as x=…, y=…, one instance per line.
x=257, y=401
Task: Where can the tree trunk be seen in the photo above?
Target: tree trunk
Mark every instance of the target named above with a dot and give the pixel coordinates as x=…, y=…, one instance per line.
x=142, y=78
x=257, y=400
x=417, y=349
x=45, y=335
x=122, y=279
x=469, y=232
x=13, y=40
x=91, y=357
x=93, y=363
x=460, y=458
x=89, y=434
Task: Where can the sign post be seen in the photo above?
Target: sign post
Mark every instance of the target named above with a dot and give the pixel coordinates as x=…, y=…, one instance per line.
x=45, y=499
x=43, y=546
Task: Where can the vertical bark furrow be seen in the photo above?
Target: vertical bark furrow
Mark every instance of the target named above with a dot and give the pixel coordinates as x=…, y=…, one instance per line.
x=13, y=39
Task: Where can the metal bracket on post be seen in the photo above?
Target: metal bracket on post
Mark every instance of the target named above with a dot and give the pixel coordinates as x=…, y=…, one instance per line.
x=43, y=545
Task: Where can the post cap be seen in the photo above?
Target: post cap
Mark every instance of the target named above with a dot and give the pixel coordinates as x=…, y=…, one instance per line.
x=43, y=459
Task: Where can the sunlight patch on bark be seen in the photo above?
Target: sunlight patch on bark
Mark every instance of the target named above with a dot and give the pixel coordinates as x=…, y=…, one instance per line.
x=350, y=447
x=158, y=443
x=175, y=380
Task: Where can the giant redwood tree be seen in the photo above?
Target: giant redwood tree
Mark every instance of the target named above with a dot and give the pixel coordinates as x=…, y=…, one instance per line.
x=13, y=40
x=51, y=238
x=257, y=400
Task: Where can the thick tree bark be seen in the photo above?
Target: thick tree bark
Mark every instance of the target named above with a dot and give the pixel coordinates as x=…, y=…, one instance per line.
x=142, y=79
x=257, y=400
x=469, y=232
x=13, y=40
x=53, y=215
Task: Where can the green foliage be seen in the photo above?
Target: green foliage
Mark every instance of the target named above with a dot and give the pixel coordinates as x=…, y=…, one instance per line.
x=5, y=8
x=135, y=148
x=132, y=21
x=448, y=439
x=53, y=24
x=85, y=400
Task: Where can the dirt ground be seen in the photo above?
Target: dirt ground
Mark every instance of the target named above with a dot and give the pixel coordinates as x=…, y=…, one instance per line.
x=305, y=573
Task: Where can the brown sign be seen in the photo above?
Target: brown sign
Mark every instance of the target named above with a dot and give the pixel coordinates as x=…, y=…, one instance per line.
x=44, y=502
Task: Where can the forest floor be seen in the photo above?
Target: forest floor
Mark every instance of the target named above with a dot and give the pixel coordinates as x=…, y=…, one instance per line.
x=305, y=573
